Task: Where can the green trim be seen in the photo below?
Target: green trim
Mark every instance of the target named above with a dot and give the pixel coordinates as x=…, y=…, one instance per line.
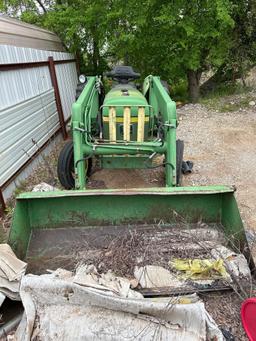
x=132, y=191
x=121, y=207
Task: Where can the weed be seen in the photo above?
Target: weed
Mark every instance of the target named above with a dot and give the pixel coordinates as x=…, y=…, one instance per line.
x=228, y=97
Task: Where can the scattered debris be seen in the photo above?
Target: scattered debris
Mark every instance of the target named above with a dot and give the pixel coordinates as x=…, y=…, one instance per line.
x=200, y=268
x=44, y=187
x=151, y=276
x=225, y=310
x=187, y=167
x=236, y=264
x=87, y=275
x=122, y=250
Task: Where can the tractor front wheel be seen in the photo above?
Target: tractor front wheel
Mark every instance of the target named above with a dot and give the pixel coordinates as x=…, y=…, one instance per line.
x=65, y=169
x=179, y=159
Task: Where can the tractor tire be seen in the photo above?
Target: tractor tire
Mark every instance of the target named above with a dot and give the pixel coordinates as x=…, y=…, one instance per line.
x=65, y=167
x=179, y=159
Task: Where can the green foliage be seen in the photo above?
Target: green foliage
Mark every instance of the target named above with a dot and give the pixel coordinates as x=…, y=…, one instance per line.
x=173, y=39
x=179, y=92
x=228, y=97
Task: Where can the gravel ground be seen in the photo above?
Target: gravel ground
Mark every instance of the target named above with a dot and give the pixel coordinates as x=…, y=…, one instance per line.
x=225, y=310
x=222, y=147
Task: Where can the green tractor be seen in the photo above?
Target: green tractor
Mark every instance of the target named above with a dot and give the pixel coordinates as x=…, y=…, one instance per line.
x=126, y=128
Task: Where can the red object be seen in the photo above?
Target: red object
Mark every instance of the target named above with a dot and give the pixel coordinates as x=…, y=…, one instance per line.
x=248, y=315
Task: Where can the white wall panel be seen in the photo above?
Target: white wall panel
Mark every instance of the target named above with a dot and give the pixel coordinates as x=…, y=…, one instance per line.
x=28, y=113
x=67, y=81
x=13, y=54
x=36, y=120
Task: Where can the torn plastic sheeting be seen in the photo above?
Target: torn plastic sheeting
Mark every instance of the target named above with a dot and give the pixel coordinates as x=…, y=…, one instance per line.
x=68, y=311
x=11, y=271
x=10, y=266
x=2, y=298
x=87, y=275
x=235, y=263
x=151, y=276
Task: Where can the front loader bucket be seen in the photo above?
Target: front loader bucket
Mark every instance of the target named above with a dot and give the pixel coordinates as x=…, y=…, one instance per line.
x=51, y=229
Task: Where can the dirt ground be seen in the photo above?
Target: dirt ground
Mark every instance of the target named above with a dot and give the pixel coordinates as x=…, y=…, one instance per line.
x=223, y=149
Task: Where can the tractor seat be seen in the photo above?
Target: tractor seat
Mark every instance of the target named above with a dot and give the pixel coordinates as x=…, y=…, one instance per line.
x=123, y=74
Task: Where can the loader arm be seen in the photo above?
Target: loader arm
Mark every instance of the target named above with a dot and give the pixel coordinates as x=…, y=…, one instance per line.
x=84, y=114
x=154, y=104
x=165, y=108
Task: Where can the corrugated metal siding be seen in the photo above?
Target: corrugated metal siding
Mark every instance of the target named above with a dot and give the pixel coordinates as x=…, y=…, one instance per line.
x=28, y=114
x=23, y=128
x=67, y=80
x=14, y=54
x=20, y=85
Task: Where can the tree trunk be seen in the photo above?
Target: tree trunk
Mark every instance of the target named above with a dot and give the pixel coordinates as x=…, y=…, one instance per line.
x=193, y=85
x=96, y=56
x=78, y=61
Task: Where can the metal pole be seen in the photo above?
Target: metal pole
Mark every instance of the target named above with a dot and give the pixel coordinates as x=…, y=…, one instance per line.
x=57, y=97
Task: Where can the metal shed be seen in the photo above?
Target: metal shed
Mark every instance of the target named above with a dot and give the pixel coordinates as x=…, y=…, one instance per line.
x=37, y=88
x=17, y=33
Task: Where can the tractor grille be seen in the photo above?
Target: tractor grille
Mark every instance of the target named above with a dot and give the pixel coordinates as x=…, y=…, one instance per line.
x=126, y=127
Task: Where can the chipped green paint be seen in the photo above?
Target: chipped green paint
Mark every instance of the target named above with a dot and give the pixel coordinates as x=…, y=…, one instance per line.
x=99, y=208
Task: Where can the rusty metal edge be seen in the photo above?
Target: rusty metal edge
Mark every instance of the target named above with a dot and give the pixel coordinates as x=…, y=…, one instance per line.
x=27, y=65
x=57, y=97
x=130, y=192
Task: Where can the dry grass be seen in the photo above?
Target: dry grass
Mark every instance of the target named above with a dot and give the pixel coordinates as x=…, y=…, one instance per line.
x=147, y=246
x=45, y=171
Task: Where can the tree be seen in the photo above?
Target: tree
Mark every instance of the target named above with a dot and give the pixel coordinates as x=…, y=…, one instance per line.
x=176, y=38
x=81, y=25
x=242, y=54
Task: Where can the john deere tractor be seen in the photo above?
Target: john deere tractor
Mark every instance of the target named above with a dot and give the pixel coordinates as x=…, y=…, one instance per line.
x=126, y=128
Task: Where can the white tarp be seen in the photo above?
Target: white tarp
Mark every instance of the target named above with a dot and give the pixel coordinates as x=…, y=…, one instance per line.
x=59, y=309
x=11, y=271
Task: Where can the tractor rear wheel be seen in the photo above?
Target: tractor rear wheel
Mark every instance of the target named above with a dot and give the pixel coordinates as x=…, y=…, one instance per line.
x=65, y=167
x=179, y=159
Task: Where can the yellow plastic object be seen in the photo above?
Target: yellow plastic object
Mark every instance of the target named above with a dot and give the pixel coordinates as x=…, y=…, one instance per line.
x=112, y=124
x=200, y=268
x=127, y=123
x=141, y=122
